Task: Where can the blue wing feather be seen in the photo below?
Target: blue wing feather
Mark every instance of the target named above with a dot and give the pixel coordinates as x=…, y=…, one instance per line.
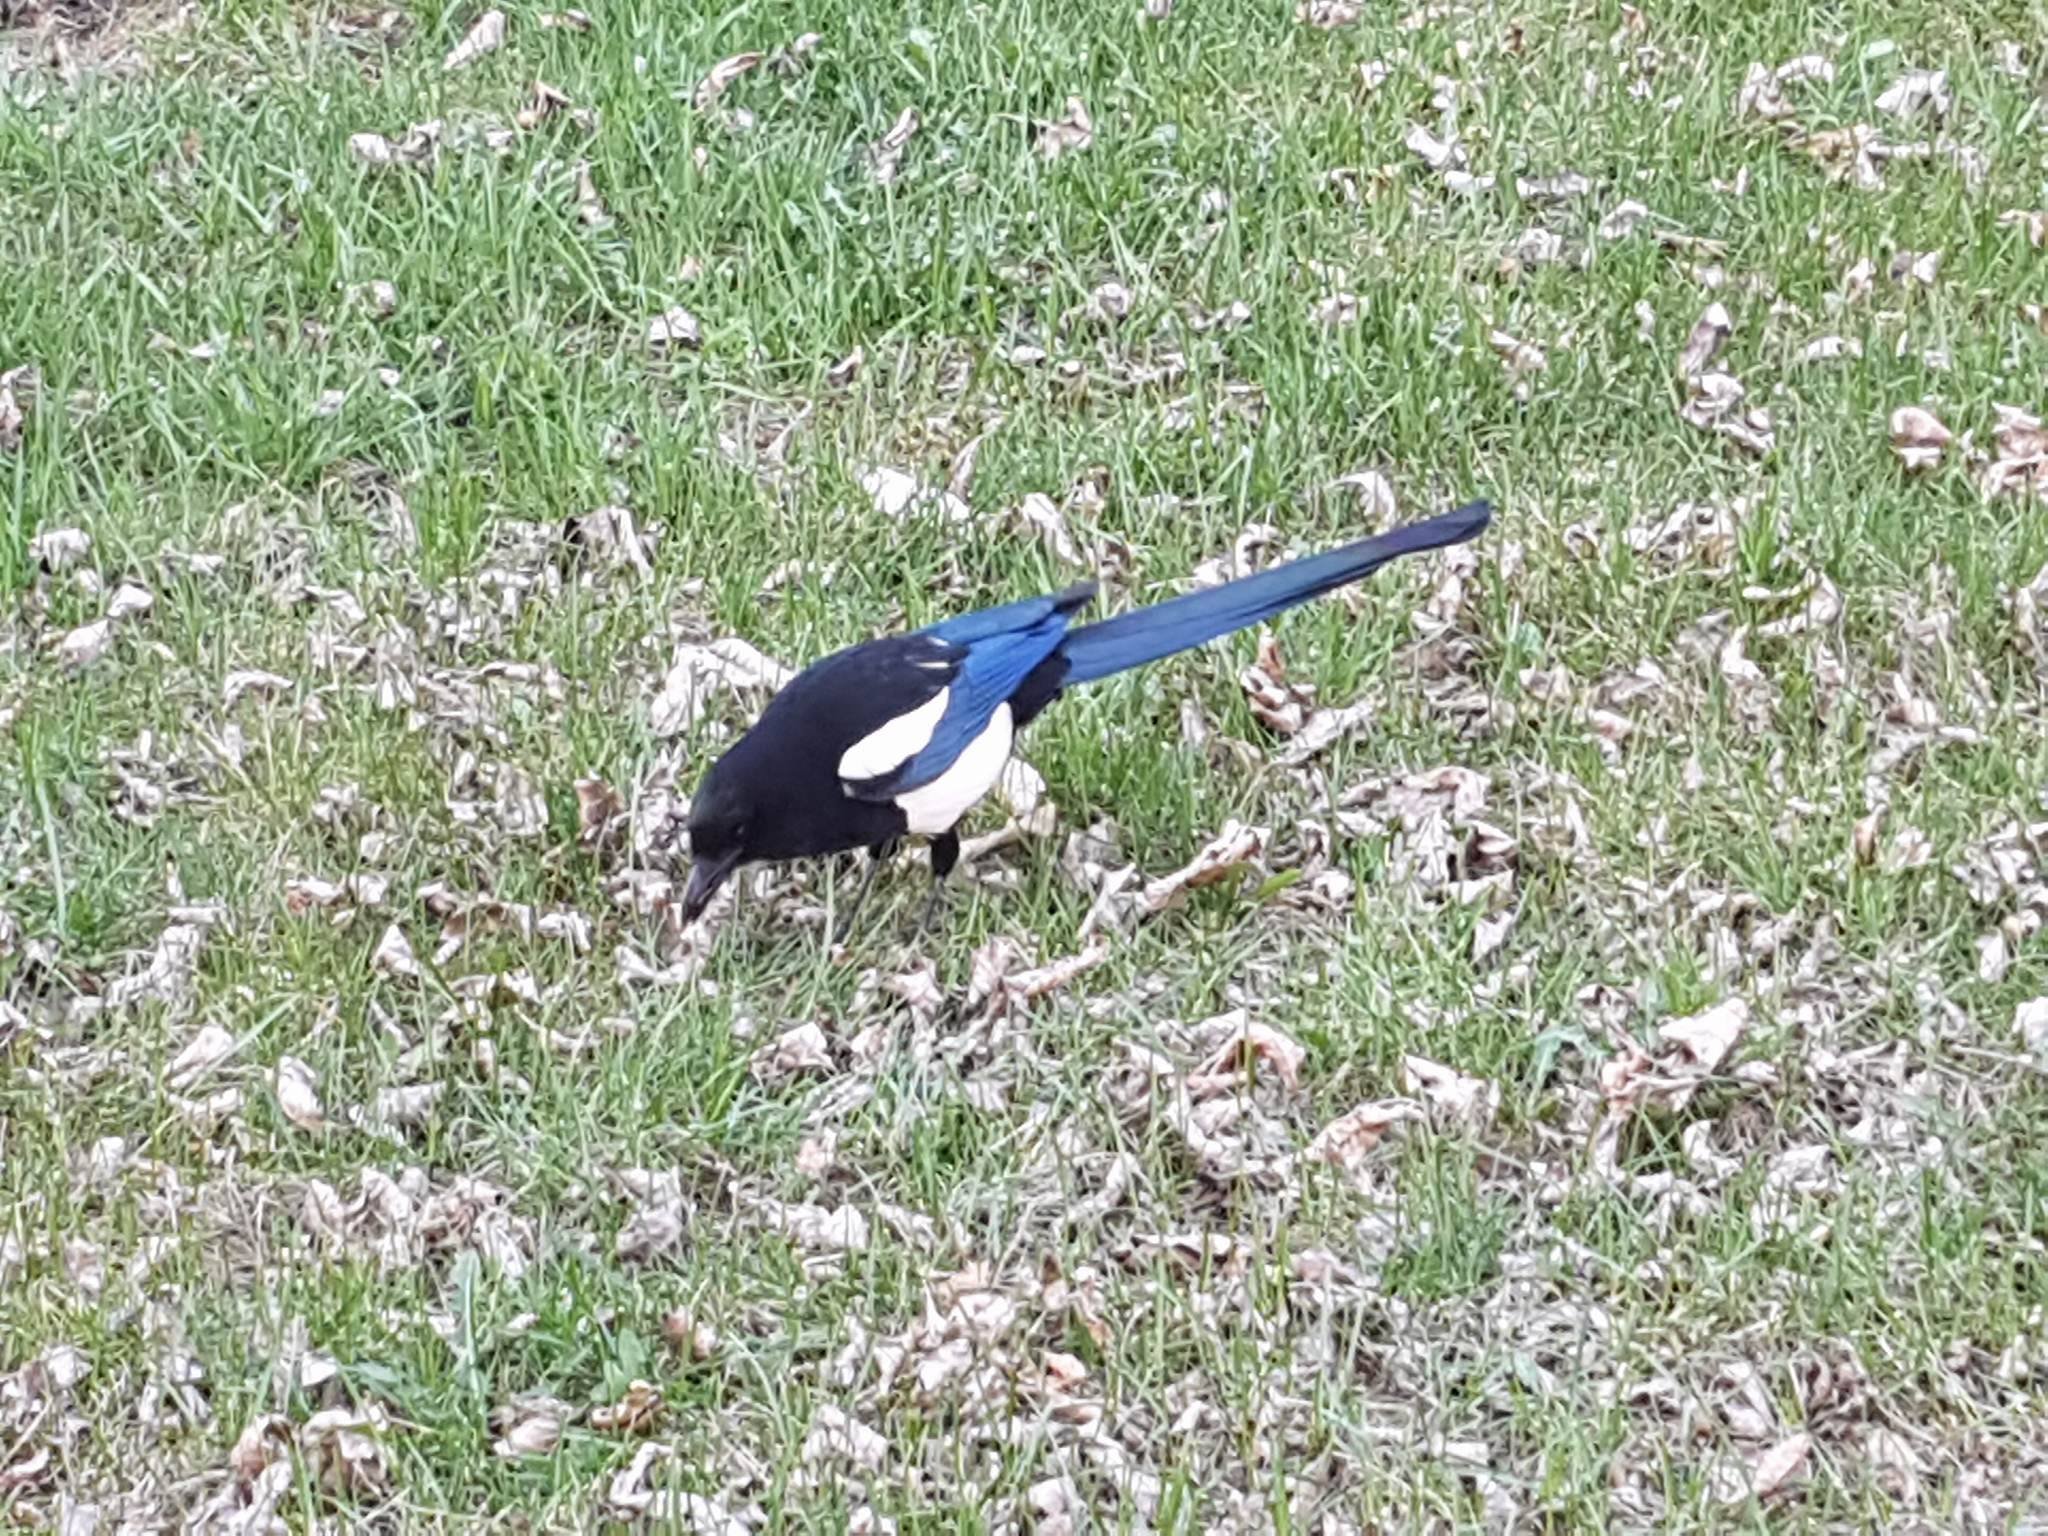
x=997, y=649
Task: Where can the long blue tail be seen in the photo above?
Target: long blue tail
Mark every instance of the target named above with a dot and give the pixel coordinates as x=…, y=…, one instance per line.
x=1181, y=623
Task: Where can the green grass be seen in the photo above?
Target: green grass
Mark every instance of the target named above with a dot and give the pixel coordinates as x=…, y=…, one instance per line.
x=1849, y=1214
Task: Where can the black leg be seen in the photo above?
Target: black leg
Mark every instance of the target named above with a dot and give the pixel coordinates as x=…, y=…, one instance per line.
x=878, y=855
x=945, y=854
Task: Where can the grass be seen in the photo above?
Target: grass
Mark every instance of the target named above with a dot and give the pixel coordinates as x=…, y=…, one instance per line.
x=1838, y=1235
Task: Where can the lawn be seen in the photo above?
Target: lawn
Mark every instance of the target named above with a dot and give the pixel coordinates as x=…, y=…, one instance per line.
x=1595, y=1080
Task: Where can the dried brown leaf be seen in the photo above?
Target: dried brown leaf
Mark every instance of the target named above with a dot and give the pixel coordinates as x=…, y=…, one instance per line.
x=206, y=1050
x=485, y=36
x=1251, y=1048
x=698, y=670
x=1564, y=187
x=1346, y=1141
x=1779, y=1467
x=1704, y=344
x=394, y=957
x=1471, y=1100
x=298, y=1094
x=58, y=549
x=835, y=1435
x=801, y=1048
x=635, y=1413
x=2034, y=221
x=343, y=1449
x=885, y=155
x=88, y=643
x=1072, y=132
x=1917, y=91
x=674, y=328
x=720, y=79
x=2030, y=1021
x=1918, y=437
x=529, y=1428
x=1221, y=859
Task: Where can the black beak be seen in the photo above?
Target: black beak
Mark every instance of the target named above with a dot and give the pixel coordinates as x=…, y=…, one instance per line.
x=706, y=876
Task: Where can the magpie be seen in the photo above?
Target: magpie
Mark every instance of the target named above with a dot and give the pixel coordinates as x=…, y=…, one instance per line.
x=905, y=734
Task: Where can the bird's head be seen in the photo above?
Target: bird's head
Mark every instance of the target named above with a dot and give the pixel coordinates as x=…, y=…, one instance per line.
x=721, y=823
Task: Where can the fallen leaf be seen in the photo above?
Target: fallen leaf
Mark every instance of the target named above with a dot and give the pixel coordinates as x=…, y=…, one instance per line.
x=1921, y=267
x=1438, y=154
x=1222, y=858
x=697, y=670
x=1108, y=303
x=1916, y=91
x=58, y=549
x=1041, y=515
x=1521, y=357
x=1714, y=404
x=1708, y=1037
x=1704, y=344
x=629, y=1494
x=651, y=1230
x=202, y=1053
x=528, y=1429
x=1346, y=1141
x=298, y=1094
x=598, y=807
x=1027, y=986
x=2030, y=1020
x=804, y=1048
x=836, y=1435
x=813, y=1227
x=720, y=79
x=688, y=1334
x=636, y=1413
x=1622, y=219
x=1070, y=133
x=1567, y=186
x=343, y=1450
x=1777, y=1468
x=1471, y=1100
x=406, y=1106
x=1328, y=15
x=130, y=601
x=1828, y=349
x=1918, y=437
x=13, y=414
x=543, y=101
x=1253, y=1046
x=885, y=155
x=236, y=685
x=897, y=493
x=485, y=36
x=2033, y=221
x=394, y=957
x=265, y=1440
x=589, y=206
x=1335, y=310
x=676, y=327
x=86, y=644
x=842, y=373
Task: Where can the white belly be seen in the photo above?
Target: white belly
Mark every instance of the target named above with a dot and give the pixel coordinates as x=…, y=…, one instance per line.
x=937, y=806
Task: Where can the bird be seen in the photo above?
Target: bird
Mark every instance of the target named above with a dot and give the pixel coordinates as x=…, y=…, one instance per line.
x=903, y=735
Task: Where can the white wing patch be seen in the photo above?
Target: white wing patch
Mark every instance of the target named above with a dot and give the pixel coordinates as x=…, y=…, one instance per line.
x=894, y=742
x=937, y=806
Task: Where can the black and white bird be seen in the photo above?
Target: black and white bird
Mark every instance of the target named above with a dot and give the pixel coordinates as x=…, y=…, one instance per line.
x=904, y=735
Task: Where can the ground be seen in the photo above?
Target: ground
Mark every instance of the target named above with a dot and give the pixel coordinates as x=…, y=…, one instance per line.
x=1591, y=1077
